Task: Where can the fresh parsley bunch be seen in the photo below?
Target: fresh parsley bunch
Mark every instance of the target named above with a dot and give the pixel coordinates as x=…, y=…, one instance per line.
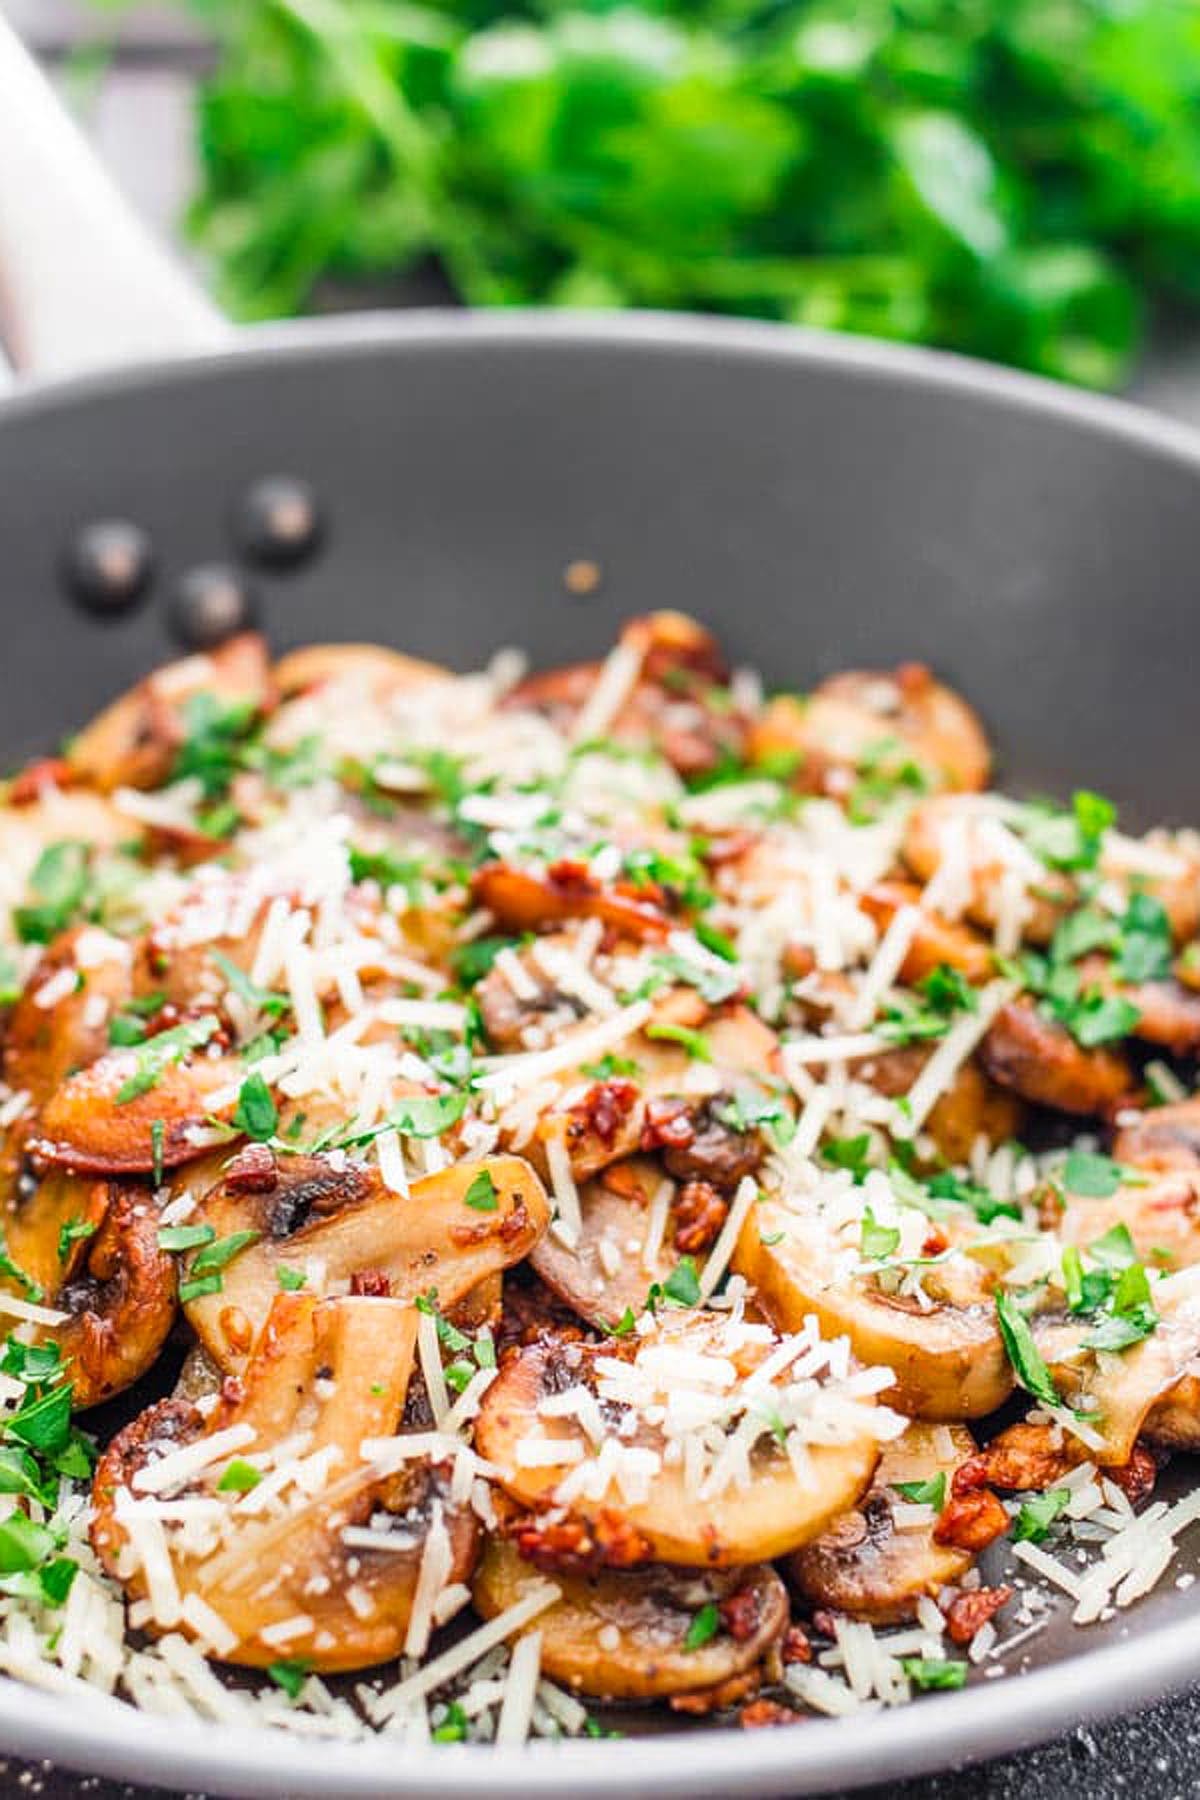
x=1015, y=178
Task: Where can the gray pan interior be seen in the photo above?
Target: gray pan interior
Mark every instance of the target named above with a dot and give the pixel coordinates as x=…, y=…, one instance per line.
x=822, y=503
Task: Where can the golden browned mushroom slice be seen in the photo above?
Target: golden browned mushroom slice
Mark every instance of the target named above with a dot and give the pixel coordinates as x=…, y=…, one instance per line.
x=626, y=1241
x=333, y=1220
x=1039, y=1059
x=54, y=820
x=662, y=687
x=1162, y=1217
x=379, y=669
x=1149, y=1388
x=624, y=1635
x=1164, y=1138
x=672, y=1101
x=524, y=899
x=972, y=1107
x=135, y=741
x=937, y=942
x=341, y=1569
x=61, y=1022
x=1168, y=1012
x=671, y=1448
x=986, y=869
x=878, y=1559
x=942, y=1342
x=133, y=1111
x=857, y=718
x=117, y=1288
x=991, y=873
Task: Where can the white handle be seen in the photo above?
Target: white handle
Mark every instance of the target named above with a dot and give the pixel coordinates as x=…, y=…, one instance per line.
x=82, y=282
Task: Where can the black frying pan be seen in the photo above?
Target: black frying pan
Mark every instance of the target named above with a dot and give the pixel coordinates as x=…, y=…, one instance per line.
x=823, y=504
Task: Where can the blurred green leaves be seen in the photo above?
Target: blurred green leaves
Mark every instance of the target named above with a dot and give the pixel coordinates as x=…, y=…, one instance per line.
x=1015, y=178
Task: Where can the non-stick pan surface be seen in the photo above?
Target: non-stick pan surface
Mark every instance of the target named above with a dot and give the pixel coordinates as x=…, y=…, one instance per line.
x=821, y=504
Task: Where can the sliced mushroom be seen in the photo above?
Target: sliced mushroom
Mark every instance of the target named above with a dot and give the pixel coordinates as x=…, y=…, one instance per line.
x=52, y=816
x=533, y=1018
x=45, y=1224
x=562, y=1431
x=607, y=1271
x=340, y=1565
x=48, y=1037
x=1164, y=1138
x=997, y=871
x=119, y=1295
x=522, y=899
x=453, y=1231
x=675, y=668
x=674, y=1104
x=1162, y=1217
x=871, y=1564
x=850, y=717
x=994, y=871
x=1149, y=1387
x=971, y=1108
x=88, y=1127
x=1168, y=1012
x=382, y=670
x=946, y=1351
x=937, y=941
x=134, y=742
x=623, y=1635
x=1039, y=1059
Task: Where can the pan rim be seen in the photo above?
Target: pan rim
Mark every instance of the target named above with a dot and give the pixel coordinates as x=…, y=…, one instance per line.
x=107, y=1737
x=103, y=1736
x=354, y=334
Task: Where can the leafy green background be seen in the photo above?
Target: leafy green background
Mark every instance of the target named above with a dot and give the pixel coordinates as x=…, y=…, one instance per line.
x=1015, y=178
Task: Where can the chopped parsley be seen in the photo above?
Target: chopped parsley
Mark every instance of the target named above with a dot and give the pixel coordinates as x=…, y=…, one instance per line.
x=944, y=994
x=240, y=1477
x=59, y=886
x=290, y=1675
x=262, y=1000
x=184, y=1237
x=611, y=1066
x=681, y=1288
x=13, y=1272
x=929, y=1673
x=256, y=1112
x=853, y=1153
x=878, y=1242
x=454, y=1726
x=1088, y=1173
x=713, y=985
x=73, y=1231
x=694, y=1042
x=925, y=1493
x=481, y=1195
x=158, y=1054
x=1115, y=1296
x=704, y=1626
x=221, y=1252
x=715, y=940
x=747, y=1109
x=1069, y=841
x=1038, y=1514
x=1023, y=1353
